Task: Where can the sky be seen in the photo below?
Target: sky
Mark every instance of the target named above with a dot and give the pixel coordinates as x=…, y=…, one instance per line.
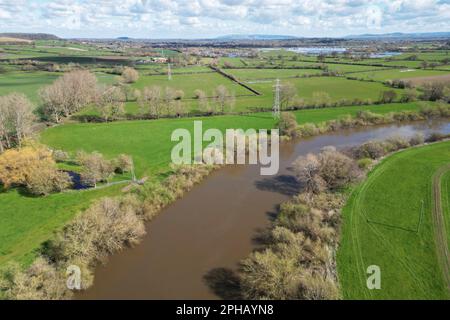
x=211, y=18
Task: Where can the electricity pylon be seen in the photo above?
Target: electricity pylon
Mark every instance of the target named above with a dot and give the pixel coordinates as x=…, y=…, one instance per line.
x=276, y=104
x=169, y=72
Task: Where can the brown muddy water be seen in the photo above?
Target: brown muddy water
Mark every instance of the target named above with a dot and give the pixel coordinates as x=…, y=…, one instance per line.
x=193, y=246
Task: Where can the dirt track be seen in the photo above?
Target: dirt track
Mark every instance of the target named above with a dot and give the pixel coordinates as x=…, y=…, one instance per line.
x=439, y=225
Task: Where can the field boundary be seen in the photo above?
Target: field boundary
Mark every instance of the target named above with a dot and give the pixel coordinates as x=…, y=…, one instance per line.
x=439, y=225
x=226, y=75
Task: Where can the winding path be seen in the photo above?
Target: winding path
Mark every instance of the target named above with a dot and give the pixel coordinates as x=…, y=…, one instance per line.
x=440, y=233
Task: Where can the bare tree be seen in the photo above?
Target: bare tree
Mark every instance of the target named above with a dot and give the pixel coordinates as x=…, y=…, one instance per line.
x=16, y=119
x=68, y=94
x=203, y=104
x=287, y=94
x=223, y=98
x=130, y=75
x=110, y=102
x=306, y=169
x=150, y=101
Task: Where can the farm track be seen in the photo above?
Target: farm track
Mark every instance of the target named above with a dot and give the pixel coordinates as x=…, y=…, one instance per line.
x=439, y=225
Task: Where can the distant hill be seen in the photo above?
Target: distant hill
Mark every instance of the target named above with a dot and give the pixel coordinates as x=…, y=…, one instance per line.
x=123, y=38
x=30, y=36
x=400, y=35
x=256, y=37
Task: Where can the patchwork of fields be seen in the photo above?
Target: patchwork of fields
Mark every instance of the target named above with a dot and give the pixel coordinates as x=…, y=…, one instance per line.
x=387, y=221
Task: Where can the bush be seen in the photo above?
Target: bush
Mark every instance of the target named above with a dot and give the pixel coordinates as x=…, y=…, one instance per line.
x=106, y=227
x=433, y=91
x=417, y=139
x=296, y=261
x=370, y=149
x=435, y=136
x=397, y=143
x=60, y=156
x=329, y=170
x=130, y=75
x=288, y=124
x=33, y=168
x=388, y=96
x=337, y=170
x=47, y=180
x=123, y=163
x=95, y=168
x=41, y=281
x=364, y=163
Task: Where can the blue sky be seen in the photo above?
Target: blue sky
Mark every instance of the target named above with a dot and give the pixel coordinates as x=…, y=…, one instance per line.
x=210, y=18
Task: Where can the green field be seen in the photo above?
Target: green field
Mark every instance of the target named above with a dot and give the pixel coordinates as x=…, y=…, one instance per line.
x=397, y=74
x=391, y=197
x=337, y=88
x=26, y=82
x=445, y=185
x=191, y=82
x=260, y=74
x=387, y=222
x=29, y=83
x=149, y=141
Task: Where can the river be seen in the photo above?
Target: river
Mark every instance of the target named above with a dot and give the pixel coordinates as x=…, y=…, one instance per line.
x=193, y=246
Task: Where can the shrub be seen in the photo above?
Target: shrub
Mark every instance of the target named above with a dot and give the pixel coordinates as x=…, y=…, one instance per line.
x=433, y=91
x=364, y=163
x=41, y=281
x=307, y=130
x=130, y=75
x=314, y=287
x=409, y=95
x=306, y=169
x=417, y=139
x=266, y=276
x=47, y=180
x=370, y=149
x=123, y=163
x=60, y=156
x=95, y=168
x=397, y=143
x=34, y=168
x=435, y=136
x=106, y=227
x=388, y=96
x=288, y=124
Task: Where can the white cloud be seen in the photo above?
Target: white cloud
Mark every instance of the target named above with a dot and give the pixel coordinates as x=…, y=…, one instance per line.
x=190, y=18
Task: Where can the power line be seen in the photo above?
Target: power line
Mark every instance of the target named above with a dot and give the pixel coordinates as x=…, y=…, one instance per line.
x=276, y=104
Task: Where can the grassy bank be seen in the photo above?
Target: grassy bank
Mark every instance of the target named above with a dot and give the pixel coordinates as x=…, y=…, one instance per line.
x=30, y=221
x=387, y=222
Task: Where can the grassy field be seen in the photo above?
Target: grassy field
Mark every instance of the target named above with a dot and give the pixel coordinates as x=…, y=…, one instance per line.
x=397, y=74
x=337, y=88
x=387, y=222
x=191, y=82
x=259, y=74
x=29, y=83
x=149, y=141
x=29, y=221
x=26, y=82
x=445, y=185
